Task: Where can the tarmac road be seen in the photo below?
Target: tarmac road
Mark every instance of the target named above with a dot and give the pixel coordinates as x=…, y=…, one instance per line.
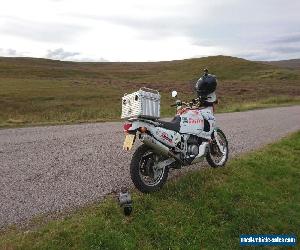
x=59, y=168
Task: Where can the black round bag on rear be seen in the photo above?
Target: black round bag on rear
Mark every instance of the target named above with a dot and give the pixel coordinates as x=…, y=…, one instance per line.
x=206, y=85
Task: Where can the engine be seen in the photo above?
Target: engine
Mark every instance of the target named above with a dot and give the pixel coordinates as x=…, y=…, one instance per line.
x=193, y=144
x=193, y=150
x=188, y=148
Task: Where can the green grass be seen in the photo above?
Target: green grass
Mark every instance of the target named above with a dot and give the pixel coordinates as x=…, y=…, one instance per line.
x=30, y=102
x=40, y=92
x=257, y=193
x=259, y=104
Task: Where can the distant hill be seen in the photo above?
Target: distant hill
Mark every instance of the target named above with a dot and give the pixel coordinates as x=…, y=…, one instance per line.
x=42, y=91
x=292, y=63
x=225, y=67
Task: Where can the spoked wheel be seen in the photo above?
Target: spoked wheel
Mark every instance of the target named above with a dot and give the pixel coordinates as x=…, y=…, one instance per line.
x=144, y=173
x=218, y=150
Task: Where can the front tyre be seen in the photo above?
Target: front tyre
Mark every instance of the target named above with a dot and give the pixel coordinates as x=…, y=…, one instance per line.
x=217, y=155
x=144, y=174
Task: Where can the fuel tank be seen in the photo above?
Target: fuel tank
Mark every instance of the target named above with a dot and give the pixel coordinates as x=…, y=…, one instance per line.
x=198, y=122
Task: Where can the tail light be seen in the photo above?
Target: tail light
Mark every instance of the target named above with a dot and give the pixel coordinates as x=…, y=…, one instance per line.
x=127, y=126
x=143, y=129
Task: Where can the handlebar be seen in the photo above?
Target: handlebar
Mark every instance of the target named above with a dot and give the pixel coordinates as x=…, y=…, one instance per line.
x=179, y=103
x=197, y=101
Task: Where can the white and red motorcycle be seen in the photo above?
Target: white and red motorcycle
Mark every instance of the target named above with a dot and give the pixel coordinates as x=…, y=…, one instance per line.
x=191, y=136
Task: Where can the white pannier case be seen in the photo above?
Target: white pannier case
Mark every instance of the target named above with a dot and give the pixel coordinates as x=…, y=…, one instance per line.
x=142, y=103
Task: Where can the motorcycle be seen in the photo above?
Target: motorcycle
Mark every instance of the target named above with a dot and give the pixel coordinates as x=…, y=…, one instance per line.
x=190, y=137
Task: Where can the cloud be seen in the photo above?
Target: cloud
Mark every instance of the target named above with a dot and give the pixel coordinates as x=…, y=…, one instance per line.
x=40, y=31
x=290, y=38
x=152, y=30
x=238, y=27
x=243, y=28
x=61, y=54
x=10, y=52
x=89, y=59
x=286, y=49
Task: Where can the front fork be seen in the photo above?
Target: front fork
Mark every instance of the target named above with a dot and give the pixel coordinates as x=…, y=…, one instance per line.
x=220, y=147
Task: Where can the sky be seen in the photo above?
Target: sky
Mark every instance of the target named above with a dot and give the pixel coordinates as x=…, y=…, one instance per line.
x=149, y=30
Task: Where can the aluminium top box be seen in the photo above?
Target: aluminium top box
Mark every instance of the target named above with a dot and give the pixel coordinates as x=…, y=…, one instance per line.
x=142, y=103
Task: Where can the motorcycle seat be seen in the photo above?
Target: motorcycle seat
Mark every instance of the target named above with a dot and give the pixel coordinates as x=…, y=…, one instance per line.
x=172, y=125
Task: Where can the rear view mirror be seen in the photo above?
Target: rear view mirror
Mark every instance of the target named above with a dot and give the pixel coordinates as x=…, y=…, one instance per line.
x=174, y=93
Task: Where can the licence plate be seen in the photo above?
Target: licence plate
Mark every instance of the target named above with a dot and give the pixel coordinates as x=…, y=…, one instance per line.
x=128, y=143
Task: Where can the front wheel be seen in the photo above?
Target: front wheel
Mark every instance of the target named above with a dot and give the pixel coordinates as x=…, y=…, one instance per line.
x=217, y=155
x=144, y=174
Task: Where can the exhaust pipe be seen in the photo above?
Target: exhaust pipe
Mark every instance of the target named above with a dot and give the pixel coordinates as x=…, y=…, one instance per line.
x=155, y=144
x=159, y=147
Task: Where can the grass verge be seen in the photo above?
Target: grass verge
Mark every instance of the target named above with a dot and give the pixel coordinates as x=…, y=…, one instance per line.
x=257, y=193
x=278, y=101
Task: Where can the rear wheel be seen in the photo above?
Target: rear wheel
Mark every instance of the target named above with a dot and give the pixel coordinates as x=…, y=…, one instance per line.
x=144, y=174
x=217, y=155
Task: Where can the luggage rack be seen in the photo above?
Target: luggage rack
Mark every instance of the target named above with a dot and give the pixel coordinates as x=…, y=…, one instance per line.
x=143, y=103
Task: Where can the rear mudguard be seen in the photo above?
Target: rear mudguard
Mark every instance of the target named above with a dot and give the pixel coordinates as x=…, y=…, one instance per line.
x=136, y=124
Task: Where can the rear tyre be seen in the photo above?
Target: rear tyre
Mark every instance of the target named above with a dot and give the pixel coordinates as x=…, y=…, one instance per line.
x=144, y=175
x=215, y=157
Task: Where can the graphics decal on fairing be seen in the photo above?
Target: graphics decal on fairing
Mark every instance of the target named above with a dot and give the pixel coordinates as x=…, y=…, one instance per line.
x=164, y=135
x=192, y=122
x=195, y=112
x=208, y=115
x=184, y=120
x=195, y=121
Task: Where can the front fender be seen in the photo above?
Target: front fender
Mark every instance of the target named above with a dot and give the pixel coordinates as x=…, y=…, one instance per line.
x=216, y=129
x=215, y=137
